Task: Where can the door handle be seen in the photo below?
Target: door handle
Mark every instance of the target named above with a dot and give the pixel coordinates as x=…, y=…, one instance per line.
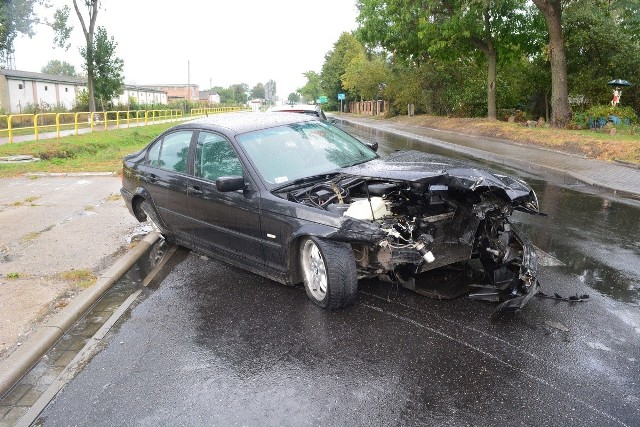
x=195, y=191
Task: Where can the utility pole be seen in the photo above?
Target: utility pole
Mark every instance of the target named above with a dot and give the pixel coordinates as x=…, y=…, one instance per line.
x=188, y=80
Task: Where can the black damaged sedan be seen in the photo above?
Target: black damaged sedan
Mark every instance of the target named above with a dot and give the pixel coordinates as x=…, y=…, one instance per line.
x=298, y=200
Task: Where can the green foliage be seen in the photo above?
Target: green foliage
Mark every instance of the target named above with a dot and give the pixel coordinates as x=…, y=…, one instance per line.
x=419, y=31
x=59, y=68
x=257, y=92
x=16, y=17
x=604, y=111
x=600, y=48
x=61, y=32
x=366, y=77
x=312, y=89
x=107, y=68
x=293, y=98
x=336, y=62
x=82, y=101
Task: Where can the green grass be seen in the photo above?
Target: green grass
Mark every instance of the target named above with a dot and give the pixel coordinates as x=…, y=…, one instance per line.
x=93, y=152
x=83, y=278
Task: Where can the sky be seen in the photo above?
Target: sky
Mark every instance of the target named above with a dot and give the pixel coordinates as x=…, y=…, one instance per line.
x=206, y=42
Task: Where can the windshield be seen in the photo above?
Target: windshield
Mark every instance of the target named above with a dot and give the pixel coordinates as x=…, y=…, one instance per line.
x=286, y=153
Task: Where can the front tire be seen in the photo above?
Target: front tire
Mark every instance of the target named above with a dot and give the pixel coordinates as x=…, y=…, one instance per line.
x=329, y=273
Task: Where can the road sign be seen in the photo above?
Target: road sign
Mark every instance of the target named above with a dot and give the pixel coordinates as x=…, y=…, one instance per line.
x=342, y=96
x=323, y=100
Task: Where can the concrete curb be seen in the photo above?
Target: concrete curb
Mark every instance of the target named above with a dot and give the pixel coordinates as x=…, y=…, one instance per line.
x=26, y=356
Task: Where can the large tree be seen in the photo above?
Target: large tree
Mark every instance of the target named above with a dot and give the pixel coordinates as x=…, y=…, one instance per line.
x=552, y=12
x=107, y=68
x=258, y=92
x=311, y=90
x=335, y=64
x=238, y=93
x=415, y=30
x=59, y=68
x=88, y=24
x=366, y=77
x=16, y=17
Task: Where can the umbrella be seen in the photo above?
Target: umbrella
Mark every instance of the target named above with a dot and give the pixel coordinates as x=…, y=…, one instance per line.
x=619, y=83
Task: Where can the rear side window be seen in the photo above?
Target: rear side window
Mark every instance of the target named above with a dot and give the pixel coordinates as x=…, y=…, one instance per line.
x=215, y=157
x=171, y=152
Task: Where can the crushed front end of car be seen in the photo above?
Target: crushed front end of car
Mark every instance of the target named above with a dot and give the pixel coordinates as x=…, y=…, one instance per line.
x=442, y=228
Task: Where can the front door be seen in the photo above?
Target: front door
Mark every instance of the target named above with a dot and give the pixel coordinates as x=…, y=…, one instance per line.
x=229, y=221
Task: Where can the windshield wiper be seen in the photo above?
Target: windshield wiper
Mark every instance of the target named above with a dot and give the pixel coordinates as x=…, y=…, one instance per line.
x=306, y=180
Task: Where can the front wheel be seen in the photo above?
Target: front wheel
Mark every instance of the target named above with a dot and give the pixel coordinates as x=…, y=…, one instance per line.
x=329, y=273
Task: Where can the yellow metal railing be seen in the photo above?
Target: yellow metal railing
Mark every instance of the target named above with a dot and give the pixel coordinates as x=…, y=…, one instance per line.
x=53, y=123
x=199, y=112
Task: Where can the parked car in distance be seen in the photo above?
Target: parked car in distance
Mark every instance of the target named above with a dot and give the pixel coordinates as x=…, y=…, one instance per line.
x=298, y=200
x=309, y=109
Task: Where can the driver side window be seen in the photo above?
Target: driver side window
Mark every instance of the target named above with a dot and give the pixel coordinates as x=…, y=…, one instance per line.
x=215, y=157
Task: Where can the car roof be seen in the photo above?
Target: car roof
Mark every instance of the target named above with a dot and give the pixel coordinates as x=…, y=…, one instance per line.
x=242, y=122
x=296, y=107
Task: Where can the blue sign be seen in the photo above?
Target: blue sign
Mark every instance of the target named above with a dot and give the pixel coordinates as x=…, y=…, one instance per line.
x=341, y=97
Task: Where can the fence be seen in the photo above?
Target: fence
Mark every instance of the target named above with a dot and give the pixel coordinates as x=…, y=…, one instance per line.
x=368, y=107
x=75, y=123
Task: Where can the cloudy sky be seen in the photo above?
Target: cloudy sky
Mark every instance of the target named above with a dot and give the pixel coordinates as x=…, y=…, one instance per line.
x=223, y=41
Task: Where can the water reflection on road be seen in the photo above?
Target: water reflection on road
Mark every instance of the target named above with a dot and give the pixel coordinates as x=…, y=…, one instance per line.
x=595, y=236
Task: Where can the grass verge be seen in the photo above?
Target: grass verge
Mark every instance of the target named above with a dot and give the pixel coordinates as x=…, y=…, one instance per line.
x=92, y=152
x=595, y=145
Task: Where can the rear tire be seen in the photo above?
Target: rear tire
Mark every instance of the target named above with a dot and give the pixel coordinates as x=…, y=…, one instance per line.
x=154, y=220
x=329, y=273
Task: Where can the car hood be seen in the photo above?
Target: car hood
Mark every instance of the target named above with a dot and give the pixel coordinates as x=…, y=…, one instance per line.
x=416, y=166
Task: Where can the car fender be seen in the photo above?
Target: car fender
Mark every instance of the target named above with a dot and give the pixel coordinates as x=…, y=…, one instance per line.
x=350, y=231
x=139, y=194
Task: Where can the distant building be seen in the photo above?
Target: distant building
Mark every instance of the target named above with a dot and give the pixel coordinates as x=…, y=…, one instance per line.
x=19, y=89
x=142, y=95
x=210, y=97
x=178, y=92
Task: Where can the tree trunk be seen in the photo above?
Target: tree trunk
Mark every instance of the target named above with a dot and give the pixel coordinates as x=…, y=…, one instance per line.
x=486, y=46
x=560, y=111
x=492, y=59
x=88, y=35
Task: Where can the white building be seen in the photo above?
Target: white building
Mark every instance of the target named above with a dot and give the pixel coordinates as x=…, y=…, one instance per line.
x=19, y=89
x=142, y=95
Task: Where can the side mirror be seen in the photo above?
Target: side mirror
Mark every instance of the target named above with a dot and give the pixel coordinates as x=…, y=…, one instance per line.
x=225, y=184
x=372, y=145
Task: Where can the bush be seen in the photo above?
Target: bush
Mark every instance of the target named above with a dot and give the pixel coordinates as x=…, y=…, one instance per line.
x=604, y=111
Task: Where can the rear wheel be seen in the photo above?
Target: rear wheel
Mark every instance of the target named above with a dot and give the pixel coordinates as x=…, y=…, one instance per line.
x=329, y=273
x=154, y=221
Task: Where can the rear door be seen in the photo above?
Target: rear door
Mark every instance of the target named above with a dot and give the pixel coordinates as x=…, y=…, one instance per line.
x=166, y=176
x=226, y=222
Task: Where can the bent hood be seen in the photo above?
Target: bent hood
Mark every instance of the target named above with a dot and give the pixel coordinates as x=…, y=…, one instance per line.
x=432, y=169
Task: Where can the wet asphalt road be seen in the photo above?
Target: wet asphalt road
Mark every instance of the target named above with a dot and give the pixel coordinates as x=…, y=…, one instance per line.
x=213, y=345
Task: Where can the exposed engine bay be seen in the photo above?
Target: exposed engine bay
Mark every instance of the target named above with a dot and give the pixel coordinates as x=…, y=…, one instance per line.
x=428, y=224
